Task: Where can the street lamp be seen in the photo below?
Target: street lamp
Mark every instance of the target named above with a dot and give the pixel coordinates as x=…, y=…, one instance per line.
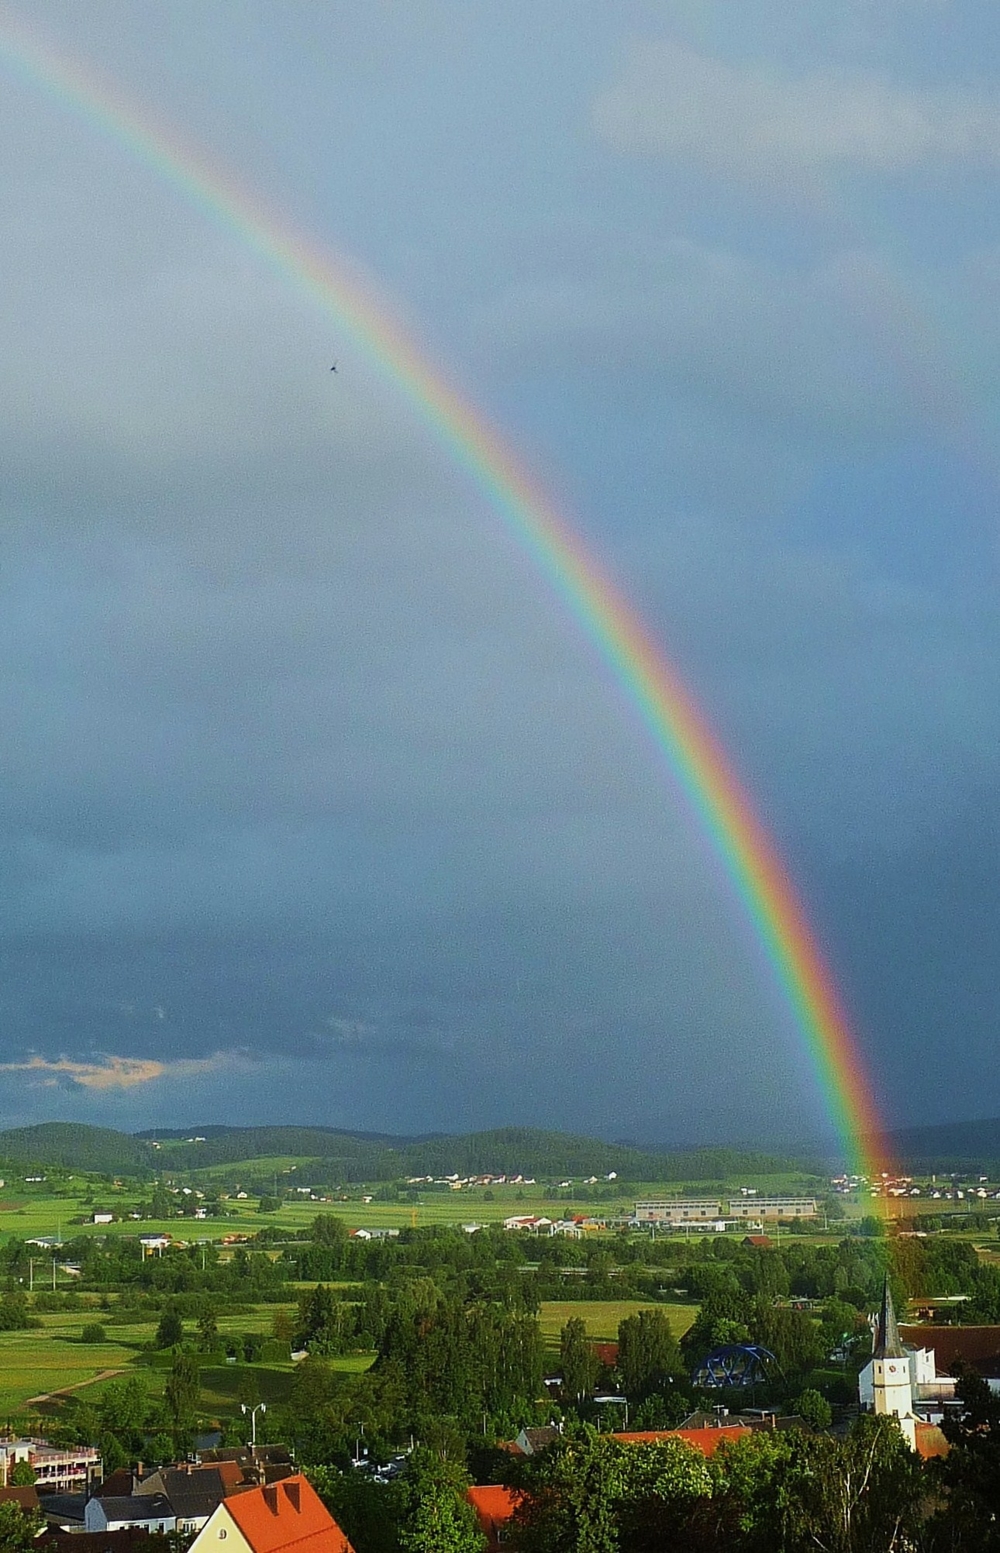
x=253, y=1411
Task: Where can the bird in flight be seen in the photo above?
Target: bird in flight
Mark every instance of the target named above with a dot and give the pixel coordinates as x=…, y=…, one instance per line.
x=334, y=367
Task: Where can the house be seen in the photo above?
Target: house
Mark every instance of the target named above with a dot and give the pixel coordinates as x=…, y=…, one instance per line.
x=193, y=1492
x=157, y=1243
x=285, y=1517
x=153, y=1512
x=707, y=1441
x=244, y=1467
x=976, y=1346
x=494, y=1504
x=64, y=1512
x=530, y=1441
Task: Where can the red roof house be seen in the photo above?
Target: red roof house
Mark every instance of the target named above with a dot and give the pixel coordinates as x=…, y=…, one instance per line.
x=705, y=1440
x=494, y=1505
x=284, y=1517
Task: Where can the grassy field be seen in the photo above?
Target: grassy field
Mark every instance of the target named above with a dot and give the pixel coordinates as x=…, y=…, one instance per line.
x=602, y=1316
x=51, y=1358
x=27, y=1211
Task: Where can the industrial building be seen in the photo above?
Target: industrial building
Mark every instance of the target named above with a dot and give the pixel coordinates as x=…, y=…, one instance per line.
x=737, y=1212
x=773, y=1208
x=679, y=1210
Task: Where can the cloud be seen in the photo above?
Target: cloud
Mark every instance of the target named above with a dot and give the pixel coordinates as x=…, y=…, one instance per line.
x=110, y=1072
x=753, y=121
x=777, y=346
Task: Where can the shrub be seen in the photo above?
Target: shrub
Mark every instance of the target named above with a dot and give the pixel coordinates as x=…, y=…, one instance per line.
x=93, y=1332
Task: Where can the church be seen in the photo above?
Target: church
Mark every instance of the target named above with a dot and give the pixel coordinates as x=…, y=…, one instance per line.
x=903, y=1382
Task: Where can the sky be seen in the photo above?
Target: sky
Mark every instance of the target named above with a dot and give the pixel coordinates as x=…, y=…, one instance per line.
x=315, y=802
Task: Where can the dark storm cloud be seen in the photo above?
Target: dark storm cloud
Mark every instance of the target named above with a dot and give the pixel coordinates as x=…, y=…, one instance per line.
x=308, y=787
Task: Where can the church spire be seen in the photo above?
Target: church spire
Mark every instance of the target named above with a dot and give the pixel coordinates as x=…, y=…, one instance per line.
x=887, y=1344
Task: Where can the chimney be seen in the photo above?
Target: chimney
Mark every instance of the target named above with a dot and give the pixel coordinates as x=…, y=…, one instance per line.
x=271, y=1498
x=292, y=1490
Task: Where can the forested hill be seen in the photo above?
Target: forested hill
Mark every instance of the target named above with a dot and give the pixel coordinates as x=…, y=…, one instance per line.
x=77, y=1147
x=948, y=1145
x=353, y=1156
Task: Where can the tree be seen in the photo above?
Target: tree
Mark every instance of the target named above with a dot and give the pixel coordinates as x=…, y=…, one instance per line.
x=14, y=1313
x=93, y=1332
x=329, y=1230
x=970, y=1473
x=170, y=1330
x=814, y=1408
x=269, y=1205
x=594, y=1494
x=21, y=1475
x=181, y=1391
x=437, y=1516
x=579, y=1363
x=18, y=1528
x=368, y=1513
x=282, y=1326
x=648, y=1356
x=803, y=1493
x=162, y=1205
x=208, y=1332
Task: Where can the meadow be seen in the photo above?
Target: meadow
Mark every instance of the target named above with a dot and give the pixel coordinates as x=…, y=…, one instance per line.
x=52, y=1359
x=601, y=1317
x=28, y=1210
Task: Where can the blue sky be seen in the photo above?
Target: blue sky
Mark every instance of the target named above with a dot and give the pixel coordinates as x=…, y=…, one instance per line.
x=316, y=805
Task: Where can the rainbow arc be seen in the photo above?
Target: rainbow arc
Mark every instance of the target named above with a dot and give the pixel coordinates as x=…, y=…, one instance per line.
x=681, y=733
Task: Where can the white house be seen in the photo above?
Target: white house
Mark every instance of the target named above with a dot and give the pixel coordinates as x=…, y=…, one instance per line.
x=151, y=1512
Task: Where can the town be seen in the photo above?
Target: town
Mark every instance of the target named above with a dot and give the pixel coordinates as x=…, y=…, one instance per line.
x=193, y=1353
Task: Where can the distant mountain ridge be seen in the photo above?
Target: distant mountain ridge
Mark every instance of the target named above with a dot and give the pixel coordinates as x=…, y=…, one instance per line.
x=947, y=1145
x=339, y=1155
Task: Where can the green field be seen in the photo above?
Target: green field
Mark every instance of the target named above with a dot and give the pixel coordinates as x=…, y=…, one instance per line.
x=51, y=1358
x=601, y=1317
x=27, y=1211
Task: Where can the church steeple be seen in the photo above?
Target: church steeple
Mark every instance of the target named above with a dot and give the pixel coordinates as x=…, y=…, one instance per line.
x=892, y=1388
x=887, y=1344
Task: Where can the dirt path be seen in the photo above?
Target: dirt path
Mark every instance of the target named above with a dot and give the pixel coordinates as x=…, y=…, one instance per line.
x=64, y=1391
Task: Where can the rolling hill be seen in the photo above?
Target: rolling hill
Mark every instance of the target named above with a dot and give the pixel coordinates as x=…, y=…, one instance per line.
x=338, y=1155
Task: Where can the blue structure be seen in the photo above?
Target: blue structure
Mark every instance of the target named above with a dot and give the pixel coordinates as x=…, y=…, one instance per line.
x=735, y=1364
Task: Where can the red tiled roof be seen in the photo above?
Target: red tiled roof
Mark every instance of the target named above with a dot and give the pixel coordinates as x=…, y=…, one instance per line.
x=705, y=1440
x=231, y=1474
x=978, y=1346
x=607, y=1353
x=930, y=1441
x=286, y=1515
x=494, y=1504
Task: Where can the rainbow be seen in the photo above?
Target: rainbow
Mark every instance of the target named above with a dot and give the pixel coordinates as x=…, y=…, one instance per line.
x=678, y=729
